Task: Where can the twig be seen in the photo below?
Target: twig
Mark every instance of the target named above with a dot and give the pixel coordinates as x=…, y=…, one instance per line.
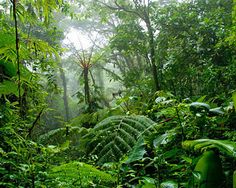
x=35, y=122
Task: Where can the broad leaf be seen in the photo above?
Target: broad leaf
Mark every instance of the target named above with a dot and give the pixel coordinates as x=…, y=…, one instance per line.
x=137, y=152
x=8, y=87
x=117, y=135
x=225, y=146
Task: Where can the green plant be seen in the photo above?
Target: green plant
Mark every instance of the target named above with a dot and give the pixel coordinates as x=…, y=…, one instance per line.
x=116, y=135
x=78, y=174
x=225, y=146
x=23, y=163
x=208, y=172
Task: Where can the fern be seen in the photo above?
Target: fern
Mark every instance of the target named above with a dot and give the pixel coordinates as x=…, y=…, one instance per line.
x=60, y=135
x=116, y=135
x=78, y=174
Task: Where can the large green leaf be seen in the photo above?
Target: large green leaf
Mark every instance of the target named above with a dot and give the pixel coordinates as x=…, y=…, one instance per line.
x=9, y=87
x=208, y=172
x=137, y=152
x=225, y=146
x=10, y=68
x=117, y=135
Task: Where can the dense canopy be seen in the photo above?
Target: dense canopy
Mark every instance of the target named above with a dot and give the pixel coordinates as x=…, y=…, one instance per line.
x=118, y=93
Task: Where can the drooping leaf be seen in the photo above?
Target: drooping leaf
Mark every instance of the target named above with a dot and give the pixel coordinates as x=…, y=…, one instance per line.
x=137, y=152
x=225, y=146
x=216, y=111
x=199, y=107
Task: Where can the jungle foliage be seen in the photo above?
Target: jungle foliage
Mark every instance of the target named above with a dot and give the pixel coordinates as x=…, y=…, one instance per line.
x=170, y=120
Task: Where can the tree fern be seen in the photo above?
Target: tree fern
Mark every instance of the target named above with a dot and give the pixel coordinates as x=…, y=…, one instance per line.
x=116, y=135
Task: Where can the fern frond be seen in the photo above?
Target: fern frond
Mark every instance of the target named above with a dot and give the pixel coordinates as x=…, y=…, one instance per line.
x=59, y=136
x=52, y=135
x=116, y=135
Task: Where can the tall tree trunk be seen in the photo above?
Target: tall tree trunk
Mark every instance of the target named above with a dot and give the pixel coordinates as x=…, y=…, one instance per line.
x=152, y=52
x=65, y=99
x=86, y=88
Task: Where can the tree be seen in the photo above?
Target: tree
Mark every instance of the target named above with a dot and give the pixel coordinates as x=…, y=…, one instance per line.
x=194, y=58
x=141, y=10
x=65, y=99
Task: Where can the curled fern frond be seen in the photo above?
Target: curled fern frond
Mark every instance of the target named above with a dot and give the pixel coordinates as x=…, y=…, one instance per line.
x=116, y=135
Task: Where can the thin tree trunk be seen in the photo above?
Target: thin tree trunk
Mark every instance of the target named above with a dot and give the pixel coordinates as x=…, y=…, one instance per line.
x=14, y=2
x=65, y=99
x=86, y=88
x=152, y=53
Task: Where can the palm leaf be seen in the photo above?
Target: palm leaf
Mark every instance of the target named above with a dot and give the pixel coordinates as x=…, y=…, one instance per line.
x=225, y=146
x=117, y=135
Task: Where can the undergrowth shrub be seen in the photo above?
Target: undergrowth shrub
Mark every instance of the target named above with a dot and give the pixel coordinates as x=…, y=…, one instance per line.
x=78, y=174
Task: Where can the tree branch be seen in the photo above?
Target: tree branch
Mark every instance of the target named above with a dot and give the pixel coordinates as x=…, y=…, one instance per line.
x=35, y=122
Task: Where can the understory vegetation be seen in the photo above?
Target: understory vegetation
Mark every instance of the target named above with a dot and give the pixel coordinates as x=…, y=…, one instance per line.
x=149, y=102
